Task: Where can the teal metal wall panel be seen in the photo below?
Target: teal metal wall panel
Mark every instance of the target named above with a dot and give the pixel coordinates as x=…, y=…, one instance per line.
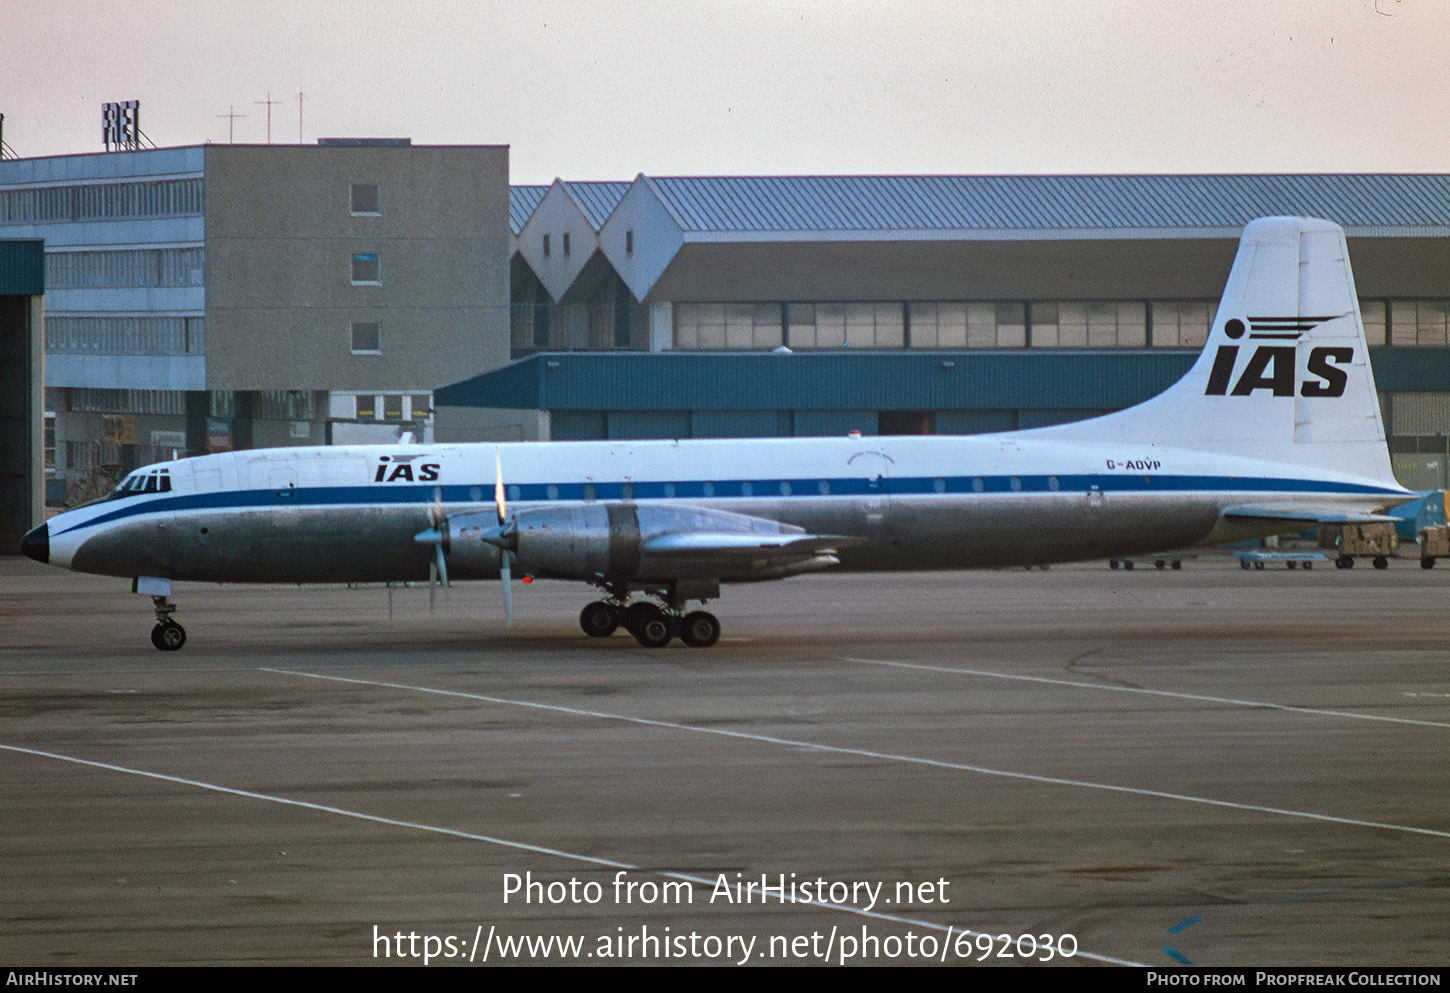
x=576, y=425
x=1087, y=381
x=648, y=423
x=22, y=268
x=741, y=424
x=1047, y=418
x=818, y=423
x=1401, y=369
x=975, y=421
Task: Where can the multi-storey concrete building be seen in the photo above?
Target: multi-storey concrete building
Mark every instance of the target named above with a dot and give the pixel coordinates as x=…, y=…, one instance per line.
x=225, y=296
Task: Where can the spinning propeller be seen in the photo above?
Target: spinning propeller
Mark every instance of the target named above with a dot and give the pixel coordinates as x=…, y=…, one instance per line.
x=505, y=538
x=438, y=567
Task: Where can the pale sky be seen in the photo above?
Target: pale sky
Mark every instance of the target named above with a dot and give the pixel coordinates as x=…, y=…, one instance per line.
x=606, y=90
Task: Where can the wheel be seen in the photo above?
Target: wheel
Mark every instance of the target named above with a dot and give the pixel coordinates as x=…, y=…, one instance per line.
x=599, y=619
x=1428, y=562
x=700, y=629
x=1258, y=565
x=649, y=625
x=1380, y=562
x=1112, y=563
x=1243, y=563
x=1128, y=564
x=169, y=636
x=1177, y=564
x=1346, y=562
x=1160, y=564
x=1292, y=564
x=1309, y=565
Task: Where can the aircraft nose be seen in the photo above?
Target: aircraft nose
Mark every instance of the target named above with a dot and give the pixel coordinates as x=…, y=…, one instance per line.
x=36, y=543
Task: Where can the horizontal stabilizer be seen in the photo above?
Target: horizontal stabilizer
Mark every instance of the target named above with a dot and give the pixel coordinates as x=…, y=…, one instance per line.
x=1300, y=514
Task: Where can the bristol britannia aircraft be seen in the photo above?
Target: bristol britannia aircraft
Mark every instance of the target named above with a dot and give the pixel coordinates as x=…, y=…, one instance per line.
x=1276, y=427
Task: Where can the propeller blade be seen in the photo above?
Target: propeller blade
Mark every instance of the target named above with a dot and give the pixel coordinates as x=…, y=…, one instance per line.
x=440, y=563
x=506, y=574
x=498, y=488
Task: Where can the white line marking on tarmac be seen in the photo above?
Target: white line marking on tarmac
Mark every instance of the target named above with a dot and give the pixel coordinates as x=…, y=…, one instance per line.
x=489, y=839
x=1256, y=704
x=884, y=756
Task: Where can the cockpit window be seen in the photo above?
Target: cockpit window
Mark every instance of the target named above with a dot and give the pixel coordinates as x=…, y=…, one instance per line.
x=142, y=481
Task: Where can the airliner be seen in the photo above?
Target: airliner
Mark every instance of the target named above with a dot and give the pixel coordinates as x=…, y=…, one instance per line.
x=1275, y=428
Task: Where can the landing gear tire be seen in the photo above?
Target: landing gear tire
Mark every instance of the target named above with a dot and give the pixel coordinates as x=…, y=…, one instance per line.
x=1380, y=562
x=1345, y=561
x=650, y=626
x=599, y=619
x=700, y=629
x=169, y=636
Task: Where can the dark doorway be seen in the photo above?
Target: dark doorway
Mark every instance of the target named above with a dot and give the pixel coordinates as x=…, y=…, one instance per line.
x=906, y=422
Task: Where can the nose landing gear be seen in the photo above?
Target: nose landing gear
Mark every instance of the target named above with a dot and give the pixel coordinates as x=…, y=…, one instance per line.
x=167, y=635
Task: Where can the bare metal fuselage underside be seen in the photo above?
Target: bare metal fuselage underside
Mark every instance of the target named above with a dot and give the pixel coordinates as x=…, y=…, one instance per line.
x=375, y=543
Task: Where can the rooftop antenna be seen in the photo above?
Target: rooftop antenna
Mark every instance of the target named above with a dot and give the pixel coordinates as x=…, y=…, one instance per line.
x=299, y=117
x=270, y=103
x=231, y=115
x=6, y=152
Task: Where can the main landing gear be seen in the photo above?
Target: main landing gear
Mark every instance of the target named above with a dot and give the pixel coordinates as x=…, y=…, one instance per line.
x=167, y=635
x=652, y=626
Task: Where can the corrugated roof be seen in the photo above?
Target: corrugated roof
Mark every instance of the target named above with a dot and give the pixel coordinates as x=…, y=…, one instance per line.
x=522, y=201
x=597, y=198
x=1361, y=203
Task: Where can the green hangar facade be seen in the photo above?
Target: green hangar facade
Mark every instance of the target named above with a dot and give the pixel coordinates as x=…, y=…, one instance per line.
x=777, y=306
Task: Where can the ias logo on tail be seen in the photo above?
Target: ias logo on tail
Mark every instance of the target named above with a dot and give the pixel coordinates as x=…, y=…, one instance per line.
x=1271, y=367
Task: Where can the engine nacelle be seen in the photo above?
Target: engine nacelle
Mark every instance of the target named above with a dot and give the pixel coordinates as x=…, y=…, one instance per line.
x=609, y=541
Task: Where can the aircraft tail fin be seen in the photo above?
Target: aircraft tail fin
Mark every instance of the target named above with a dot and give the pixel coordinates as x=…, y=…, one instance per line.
x=1285, y=373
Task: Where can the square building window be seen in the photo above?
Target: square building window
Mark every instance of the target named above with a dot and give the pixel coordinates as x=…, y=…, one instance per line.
x=367, y=338
x=366, y=199
x=366, y=270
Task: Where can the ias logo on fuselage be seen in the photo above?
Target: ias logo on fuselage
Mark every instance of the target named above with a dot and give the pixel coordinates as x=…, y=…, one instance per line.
x=1271, y=367
x=400, y=468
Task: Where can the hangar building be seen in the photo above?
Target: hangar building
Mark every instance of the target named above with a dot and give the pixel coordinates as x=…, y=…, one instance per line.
x=917, y=304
